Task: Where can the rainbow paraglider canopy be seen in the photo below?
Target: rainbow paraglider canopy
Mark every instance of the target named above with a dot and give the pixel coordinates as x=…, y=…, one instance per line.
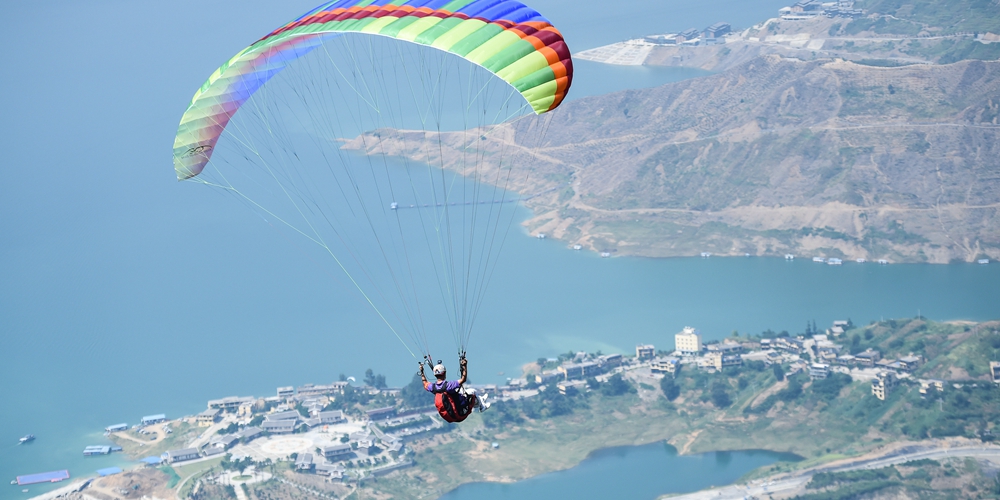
x=506, y=37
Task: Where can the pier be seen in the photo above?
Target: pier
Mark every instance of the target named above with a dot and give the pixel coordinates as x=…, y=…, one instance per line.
x=43, y=477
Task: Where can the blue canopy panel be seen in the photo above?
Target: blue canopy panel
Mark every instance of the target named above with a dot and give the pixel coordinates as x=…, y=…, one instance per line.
x=43, y=477
x=109, y=471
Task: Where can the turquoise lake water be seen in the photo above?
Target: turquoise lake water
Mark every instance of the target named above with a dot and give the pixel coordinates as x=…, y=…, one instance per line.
x=124, y=293
x=635, y=472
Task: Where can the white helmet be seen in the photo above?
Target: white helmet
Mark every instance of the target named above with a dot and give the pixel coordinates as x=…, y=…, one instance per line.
x=439, y=369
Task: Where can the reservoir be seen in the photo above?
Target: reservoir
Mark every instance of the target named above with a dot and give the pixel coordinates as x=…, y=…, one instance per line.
x=252, y=313
x=639, y=472
x=123, y=293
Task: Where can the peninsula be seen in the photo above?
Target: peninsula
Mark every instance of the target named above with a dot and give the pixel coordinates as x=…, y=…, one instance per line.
x=827, y=137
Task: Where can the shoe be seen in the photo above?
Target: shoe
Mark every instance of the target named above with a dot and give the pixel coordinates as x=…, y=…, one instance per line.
x=484, y=406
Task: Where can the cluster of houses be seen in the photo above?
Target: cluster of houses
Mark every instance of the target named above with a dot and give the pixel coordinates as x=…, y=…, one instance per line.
x=365, y=444
x=387, y=429
x=283, y=417
x=807, y=9
x=827, y=355
x=711, y=35
x=573, y=373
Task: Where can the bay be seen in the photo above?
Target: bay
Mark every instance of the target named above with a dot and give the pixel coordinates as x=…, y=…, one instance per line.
x=123, y=293
x=637, y=472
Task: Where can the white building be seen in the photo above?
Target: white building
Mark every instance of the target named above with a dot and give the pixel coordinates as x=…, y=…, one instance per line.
x=883, y=384
x=688, y=342
x=666, y=365
x=173, y=456
x=645, y=351
x=819, y=371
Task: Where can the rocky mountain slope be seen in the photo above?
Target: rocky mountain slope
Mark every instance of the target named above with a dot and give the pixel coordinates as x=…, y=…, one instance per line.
x=776, y=155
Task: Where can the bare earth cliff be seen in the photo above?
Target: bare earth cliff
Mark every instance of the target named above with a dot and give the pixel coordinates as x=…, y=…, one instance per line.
x=773, y=156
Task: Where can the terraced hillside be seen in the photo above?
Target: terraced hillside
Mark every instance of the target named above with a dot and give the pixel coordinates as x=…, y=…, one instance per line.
x=773, y=156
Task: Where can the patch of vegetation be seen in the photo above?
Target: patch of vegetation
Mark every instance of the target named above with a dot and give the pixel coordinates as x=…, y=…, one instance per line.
x=927, y=479
x=824, y=479
x=883, y=25
x=852, y=491
x=670, y=388
x=883, y=63
x=953, y=16
x=170, y=472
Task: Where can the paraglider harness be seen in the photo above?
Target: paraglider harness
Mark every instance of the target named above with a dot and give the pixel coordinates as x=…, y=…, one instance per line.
x=448, y=406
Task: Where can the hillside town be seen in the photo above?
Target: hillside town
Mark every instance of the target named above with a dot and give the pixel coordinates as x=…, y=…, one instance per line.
x=298, y=424
x=341, y=435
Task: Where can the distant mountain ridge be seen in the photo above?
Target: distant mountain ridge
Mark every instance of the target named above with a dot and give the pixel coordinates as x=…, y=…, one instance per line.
x=773, y=156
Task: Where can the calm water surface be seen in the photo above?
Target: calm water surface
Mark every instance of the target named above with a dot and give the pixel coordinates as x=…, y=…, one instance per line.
x=638, y=472
x=124, y=294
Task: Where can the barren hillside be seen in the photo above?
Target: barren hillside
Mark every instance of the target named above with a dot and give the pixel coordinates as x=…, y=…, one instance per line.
x=773, y=156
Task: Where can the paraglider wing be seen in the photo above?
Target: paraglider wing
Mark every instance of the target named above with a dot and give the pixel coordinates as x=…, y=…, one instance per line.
x=506, y=37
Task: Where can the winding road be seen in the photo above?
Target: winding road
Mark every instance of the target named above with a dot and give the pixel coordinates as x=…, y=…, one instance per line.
x=786, y=484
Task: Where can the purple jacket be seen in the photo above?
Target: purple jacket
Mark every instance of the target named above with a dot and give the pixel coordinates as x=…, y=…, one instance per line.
x=439, y=386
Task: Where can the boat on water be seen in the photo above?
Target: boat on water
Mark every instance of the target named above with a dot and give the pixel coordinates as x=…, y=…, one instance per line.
x=819, y=259
x=28, y=438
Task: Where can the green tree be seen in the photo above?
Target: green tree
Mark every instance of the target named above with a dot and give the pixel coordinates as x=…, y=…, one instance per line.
x=720, y=396
x=302, y=410
x=670, y=388
x=793, y=391
x=229, y=429
x=373, y=380
x=414, y=395
x=779, y=372
x=829, y=387
x=616, y=386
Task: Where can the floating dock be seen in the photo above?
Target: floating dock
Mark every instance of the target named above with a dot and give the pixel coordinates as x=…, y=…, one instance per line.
x=43, y=477
x=96, y=450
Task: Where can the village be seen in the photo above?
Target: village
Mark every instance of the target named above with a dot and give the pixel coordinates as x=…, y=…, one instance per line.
x=342, y=434
x=298, y=425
